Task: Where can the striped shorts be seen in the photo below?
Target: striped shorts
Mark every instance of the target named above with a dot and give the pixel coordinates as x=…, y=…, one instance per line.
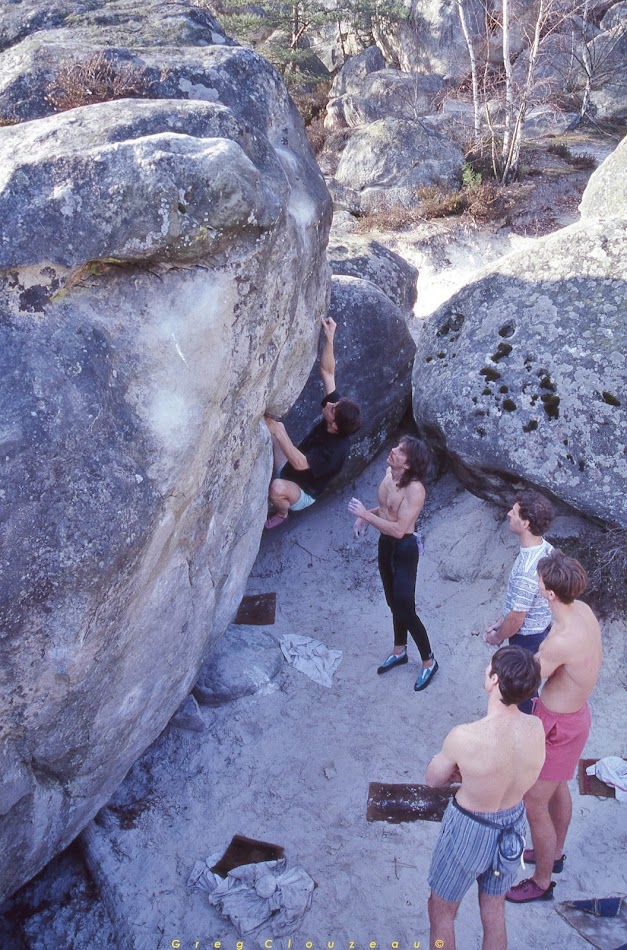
x=465, y=852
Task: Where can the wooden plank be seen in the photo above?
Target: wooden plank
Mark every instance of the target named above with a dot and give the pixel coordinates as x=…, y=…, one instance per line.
x=397, y=803
x=590, y=784
x=243, y=850
x=256, y=609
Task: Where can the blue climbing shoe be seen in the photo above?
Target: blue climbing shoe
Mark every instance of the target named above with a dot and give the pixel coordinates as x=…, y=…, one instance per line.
x=426, y=675
x=394, y=659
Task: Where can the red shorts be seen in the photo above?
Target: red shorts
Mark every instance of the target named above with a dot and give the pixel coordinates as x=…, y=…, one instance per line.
x=566, y=735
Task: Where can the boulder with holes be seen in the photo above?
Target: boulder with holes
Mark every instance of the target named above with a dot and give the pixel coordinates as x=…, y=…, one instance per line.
x=520, y=376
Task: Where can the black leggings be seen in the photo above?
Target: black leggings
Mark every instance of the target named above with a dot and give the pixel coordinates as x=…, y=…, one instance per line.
x=398, y=564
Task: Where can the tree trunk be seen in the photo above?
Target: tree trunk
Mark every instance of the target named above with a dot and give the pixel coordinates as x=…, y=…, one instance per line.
x=473, y=74
x=509, y=92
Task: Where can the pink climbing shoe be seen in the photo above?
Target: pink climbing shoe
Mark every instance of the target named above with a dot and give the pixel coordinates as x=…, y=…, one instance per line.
x=528, y=891
x=275, y=521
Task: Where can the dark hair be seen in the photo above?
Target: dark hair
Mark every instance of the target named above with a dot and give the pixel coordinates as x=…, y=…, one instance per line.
x=418, y=457
x=347, y=416
x=537, y=510
x=518, y=672
x=565, y=576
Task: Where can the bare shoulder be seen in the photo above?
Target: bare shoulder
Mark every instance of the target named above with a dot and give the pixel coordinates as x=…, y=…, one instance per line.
x=414, y=496
x=415, y=490
x=532, y=725
x=458, y=737
x=587, y=616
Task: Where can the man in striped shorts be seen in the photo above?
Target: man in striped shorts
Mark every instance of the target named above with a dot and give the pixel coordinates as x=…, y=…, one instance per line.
x=498, y=759
x=526, y=618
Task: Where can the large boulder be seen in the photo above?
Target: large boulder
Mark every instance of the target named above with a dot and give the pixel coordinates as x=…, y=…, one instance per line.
x=352, y=255
x=388, y=160
x=616, y=15
x=521, y=374
x=163, y=279
x=384, y=93
x=546, y=121
x=245, y=661
x=430, y=39
x=606, y=192
x=354, y=70
x=608, y=61
x=373, y=292
x=559, y=68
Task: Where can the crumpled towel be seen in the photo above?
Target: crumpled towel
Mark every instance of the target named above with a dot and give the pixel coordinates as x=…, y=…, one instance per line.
x=311, y=657
x=254, y=894
x=613, y=771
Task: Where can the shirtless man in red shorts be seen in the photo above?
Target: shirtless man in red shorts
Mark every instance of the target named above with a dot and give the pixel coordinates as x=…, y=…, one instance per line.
x=570, y=659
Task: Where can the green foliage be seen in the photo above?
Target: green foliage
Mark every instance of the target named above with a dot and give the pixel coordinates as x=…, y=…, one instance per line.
x=470, y=177
x=279, y=31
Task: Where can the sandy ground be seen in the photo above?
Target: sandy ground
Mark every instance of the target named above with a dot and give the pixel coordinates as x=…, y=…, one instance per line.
x=292, y=764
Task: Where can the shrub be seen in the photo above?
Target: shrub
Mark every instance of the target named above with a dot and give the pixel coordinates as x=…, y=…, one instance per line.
x=317, y=134
x=603, y=553
x=482, y=202
x=584, y=162
x=438, y=203
x=393, y=218
x=312, y=106
x=470, y=177
x=96, y=79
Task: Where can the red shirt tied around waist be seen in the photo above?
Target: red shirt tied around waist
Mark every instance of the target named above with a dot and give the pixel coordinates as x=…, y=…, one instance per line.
x=570, y=662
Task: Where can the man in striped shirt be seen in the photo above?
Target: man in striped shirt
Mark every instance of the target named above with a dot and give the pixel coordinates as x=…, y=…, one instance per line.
x=526, y=617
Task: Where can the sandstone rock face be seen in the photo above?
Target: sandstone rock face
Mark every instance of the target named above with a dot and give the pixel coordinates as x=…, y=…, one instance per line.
x=388, y=160
x=430, y=41
x=558, y=68
x=608, y=56
x=350, y=77
x=245, y=660
x=351, y=255
x=606, y=193
x=614, y=16
x=543, y=121
x=162, y=280
x=521, y=374
x=386, y=92
x=373, y=291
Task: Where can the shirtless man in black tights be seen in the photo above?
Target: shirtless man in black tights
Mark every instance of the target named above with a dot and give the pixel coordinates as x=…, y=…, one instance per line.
x=401, y=498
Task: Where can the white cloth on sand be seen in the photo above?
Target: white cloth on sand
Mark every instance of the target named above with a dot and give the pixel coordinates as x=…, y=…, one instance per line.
x=613, y=771
x=255, y=894
x=311, y=657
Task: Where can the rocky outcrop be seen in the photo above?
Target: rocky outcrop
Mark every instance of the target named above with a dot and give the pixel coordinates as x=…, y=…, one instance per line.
x=606, y=193
x=384, y=93
x=245, y=661
x=355, y=70
x=387, y=161
x=354, y=256
x=161, y=285
x=608, y=60
x=616, y=15
x=430, y=40
x=545, y=121
x=373, y=292
x=521, y=374
x=558, y=70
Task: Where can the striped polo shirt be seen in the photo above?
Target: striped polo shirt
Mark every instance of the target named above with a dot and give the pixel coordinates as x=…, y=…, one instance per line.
x=523, y=593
